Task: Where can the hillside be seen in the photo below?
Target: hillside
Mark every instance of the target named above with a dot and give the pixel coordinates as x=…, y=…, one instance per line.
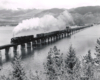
x=84, y=10
x=81, y=15
x=55, y=12
x=12, y=18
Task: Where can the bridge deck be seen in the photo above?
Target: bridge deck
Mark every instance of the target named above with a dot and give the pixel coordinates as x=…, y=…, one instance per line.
x=46, y=35
x=7, y=45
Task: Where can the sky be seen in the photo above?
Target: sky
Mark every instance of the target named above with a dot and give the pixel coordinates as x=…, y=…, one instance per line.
x=46, y=4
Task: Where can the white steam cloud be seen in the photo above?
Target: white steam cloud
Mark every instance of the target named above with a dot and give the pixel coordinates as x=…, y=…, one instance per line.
x=45, y=23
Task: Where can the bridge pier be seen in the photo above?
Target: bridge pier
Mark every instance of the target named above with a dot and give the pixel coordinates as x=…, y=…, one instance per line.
x=61, y=36
x=57, y=37
x=42, y=41
x=0, y=59
x=29, y=51
x=7, y=53
x=28, y=44
x=23, y=52
x=38, y=43
x=15, y=50
x=50, y=39
x=64, y=34
x=46, y=39
x=72, y=32
x=68, y=34
x=54, y=38
x=34, y=44
x=23, y=46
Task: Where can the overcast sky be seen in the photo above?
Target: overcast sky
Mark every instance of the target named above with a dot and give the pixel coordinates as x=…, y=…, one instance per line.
x=45, y=4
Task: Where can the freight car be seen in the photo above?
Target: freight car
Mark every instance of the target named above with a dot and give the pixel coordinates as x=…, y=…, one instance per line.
x=44, y=35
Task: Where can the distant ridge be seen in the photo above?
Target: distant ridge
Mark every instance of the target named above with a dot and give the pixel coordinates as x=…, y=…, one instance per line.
x=54, y=11
x=12, y=18
x=84, y=10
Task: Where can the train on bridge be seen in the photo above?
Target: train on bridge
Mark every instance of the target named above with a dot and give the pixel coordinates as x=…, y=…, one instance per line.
x=40, y=39
x=25, y=39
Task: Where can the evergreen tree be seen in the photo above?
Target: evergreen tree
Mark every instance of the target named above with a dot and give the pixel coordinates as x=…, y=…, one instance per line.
x=88, y=58
x=70, y=60
x=54, y=65
x=18, y=72
x=88, y=66
x=72, y=65
x=97, y=48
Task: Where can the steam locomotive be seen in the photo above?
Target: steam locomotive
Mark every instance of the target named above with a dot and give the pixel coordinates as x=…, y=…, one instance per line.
x=22, y=39
x=25, y=39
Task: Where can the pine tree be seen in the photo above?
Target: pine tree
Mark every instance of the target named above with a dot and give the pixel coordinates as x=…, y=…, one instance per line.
x=72, y=65
x=88, y=66
x=70, y=60
x=88, y=58
x=97, y=48
x=18, y=72
x=54, y=64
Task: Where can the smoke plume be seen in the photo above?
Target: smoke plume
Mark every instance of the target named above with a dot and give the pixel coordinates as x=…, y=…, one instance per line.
x=45, y=23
